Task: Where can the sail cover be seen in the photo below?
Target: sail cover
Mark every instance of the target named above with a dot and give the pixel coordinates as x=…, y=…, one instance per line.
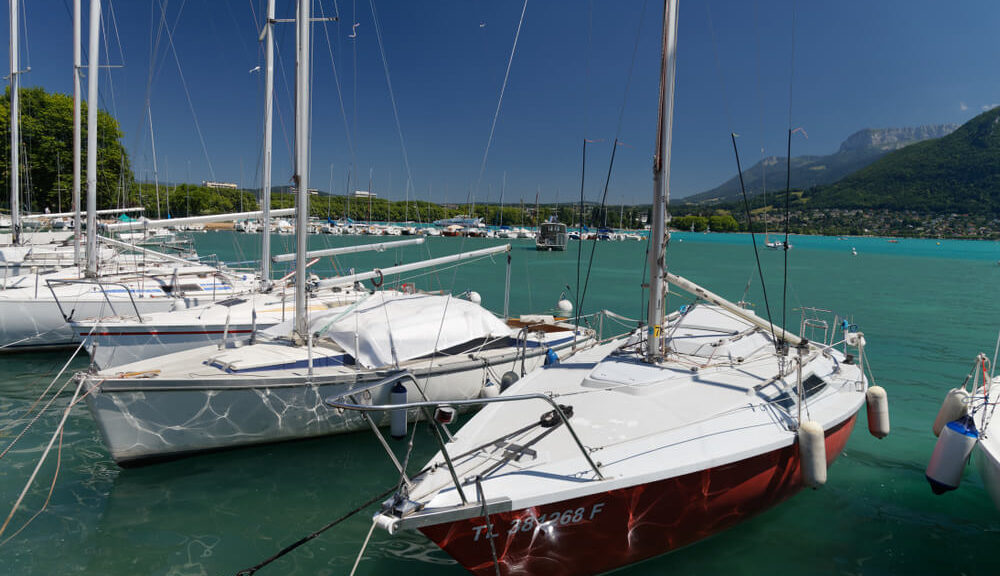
x=391, y=327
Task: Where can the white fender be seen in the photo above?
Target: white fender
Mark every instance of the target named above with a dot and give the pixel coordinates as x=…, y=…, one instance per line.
x=397, y=419
x=812, y=450
x=951, y=453
x=955, y=405
x=490, y=390
x=877, y=402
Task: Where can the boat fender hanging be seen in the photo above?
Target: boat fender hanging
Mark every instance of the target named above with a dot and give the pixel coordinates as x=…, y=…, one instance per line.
x=490, y=390
x=856, y=339
x=550, y=418
x=812, y=451
x=951, y=453
x=955, y=405
x=474, y=297
x=397, y=419
x=551, y=358
x=877, y=402
x=507, y=380
x=565, y=306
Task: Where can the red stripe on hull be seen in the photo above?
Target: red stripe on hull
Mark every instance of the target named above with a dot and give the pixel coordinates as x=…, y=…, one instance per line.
x=601, y=532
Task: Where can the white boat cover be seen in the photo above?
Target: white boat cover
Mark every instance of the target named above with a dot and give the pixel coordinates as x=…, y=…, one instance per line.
x=393, y=327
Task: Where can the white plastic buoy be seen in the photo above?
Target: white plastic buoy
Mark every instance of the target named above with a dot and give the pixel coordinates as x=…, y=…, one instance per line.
x=474, y=297
x=397, y=420
x=955, y=405
x=490, y=390
x=812, y=450
x=951, y=453
x=565, y=306
x=878, y=411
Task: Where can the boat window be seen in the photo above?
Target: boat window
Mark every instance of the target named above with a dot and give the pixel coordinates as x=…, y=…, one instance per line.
x=812, y=385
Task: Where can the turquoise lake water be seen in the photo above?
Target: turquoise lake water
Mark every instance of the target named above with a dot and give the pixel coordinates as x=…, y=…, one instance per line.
x=926, y=307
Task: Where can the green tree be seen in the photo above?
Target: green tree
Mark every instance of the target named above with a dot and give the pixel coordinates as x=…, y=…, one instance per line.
x=46, y=170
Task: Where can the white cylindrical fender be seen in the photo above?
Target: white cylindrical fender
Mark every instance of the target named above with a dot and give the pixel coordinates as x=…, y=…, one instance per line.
x=877, y=402
x=951, y=453
x=565, y=306
x=812, y=451
x=397, y=418
x=475, y=298
x=490, y=390
x=955, y=405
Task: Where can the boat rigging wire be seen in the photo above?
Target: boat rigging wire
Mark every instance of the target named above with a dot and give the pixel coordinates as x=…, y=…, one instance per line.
x=753, y=239
x=392, y=99
x=58, y=433
x=788, y=171
x=611, y=164
x=253, y=569
x=187, y=94
x=364, y=546
x=503, y=88
x=340, y=94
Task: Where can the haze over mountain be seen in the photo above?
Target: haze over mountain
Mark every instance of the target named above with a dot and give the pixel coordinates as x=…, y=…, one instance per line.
x=856, y=152
x=958, y=173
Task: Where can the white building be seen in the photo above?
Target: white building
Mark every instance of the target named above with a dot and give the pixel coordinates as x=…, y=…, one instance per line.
x=220, y=185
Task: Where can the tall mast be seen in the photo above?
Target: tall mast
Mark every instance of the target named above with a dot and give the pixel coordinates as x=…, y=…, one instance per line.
x=77, y=132
x=661, y=181
x=15, y=117
x=301, y=164
x=265, y=196
x=92, y=71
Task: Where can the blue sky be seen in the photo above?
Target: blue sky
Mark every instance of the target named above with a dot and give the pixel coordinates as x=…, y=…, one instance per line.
x=857, y=64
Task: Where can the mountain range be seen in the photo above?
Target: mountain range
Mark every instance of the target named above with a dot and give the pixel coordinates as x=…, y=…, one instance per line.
x=958, y=173
x=858, y=151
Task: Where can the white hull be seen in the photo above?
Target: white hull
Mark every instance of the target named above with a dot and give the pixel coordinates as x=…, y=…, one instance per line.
x=34, y=316
x=987, y=458
x=118, y=341
x=144, y=419
x=31, y=323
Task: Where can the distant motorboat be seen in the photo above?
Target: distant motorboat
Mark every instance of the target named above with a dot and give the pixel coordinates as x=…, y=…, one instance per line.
x=551, y=236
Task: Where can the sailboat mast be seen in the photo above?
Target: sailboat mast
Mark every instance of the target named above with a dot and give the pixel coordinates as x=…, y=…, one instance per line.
x=301, y=164
x=77, y=131
x=661, y=182
x=92, y=105
x=265, y=195
x=15, y=117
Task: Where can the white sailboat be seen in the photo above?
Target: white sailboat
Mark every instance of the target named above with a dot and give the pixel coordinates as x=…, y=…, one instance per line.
x=637, y=447
x=34, y=307
x=113, y=340
x=21, y=252
x=964, y=427
x=273, y=389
